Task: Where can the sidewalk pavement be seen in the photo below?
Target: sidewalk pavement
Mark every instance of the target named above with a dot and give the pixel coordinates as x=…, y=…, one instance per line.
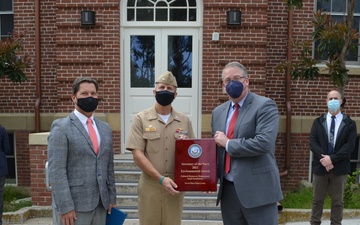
x=48, y=221
x=42, y=215
x=327, y=222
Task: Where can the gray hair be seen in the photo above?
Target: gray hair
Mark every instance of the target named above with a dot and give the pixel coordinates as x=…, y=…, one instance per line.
x=235, y=64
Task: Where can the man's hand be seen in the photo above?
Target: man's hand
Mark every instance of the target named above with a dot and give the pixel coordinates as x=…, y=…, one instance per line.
x=110, y=207
x=69, y=218
x=170, y=185
x=326, y=162
x=220, y=138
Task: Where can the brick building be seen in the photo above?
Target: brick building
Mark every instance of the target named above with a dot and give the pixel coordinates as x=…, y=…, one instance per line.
x=128, y=36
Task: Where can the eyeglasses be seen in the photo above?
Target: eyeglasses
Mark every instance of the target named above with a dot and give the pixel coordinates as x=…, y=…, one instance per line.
x=227, y=81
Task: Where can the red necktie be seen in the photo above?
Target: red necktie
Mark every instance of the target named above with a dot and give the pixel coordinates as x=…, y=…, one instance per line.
x=230, y=135
x=93, y=136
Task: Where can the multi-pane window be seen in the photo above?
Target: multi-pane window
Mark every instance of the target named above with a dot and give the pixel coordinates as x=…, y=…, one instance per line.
x=160, y=10
x=6, y=18
x=338, y=11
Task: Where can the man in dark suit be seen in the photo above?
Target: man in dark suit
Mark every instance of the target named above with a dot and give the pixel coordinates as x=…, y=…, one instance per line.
x=4, y=149
x=332, y=139
x=81, y=161
x=249, y=192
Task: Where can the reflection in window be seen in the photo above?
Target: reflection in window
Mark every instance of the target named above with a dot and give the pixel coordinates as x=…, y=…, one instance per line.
x=338, y=11
x=6, y=18
x=142, y=61
x=180, y=59
x=161, y=10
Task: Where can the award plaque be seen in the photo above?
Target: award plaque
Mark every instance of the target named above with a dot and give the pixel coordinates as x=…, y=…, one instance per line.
x=195, y=165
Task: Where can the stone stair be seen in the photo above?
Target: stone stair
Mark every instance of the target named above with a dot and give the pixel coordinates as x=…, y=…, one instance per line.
x=197, y=205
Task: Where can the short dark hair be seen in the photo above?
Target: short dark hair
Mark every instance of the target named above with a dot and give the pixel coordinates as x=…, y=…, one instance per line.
x=79, y=80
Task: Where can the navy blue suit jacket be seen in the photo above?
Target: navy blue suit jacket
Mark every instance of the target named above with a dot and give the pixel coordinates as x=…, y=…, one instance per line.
x=4, y=149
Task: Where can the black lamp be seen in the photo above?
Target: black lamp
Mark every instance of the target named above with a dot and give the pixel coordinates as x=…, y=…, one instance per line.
x=88, y=18
x=233, y=17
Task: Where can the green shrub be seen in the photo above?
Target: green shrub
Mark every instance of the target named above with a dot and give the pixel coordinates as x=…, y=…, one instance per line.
x=14, y=193
x=302, y=198
x=351, y=192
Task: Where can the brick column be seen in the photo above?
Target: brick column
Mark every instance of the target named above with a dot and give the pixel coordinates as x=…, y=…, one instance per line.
x=38, y=158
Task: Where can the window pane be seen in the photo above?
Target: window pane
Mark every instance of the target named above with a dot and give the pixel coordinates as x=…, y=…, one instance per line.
x=161, y=15
x=11, y=177
x=178, y=15
x=7, y=24
x=131, y=3
x=179, y=3
x=192, y=15
x=192, y=2
x=6, y=5
x=357, y=6
x=338, y=19
x=161, y=4
x=144, y=3
x=145, y=15
x=323, y=5
x=339, y=6
x=180, y=59
x=353, y=53
x=142, y=61
x=130, y=15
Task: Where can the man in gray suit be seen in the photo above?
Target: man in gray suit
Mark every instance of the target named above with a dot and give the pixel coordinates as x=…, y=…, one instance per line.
x=250, y=191
x=81, y=161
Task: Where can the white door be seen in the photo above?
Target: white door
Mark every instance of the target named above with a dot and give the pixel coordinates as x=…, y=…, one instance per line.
x=149, y=52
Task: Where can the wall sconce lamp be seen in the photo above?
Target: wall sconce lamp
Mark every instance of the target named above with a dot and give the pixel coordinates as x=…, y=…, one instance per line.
x=88, y=18
x=233, y=17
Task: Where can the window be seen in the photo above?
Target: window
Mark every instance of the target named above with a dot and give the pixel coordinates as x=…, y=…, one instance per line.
x=11, y=177
x=6, y=18
x=338, y=11
x=161, y=10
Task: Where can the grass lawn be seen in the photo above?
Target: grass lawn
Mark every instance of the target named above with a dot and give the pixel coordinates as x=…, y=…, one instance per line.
x=302, y=198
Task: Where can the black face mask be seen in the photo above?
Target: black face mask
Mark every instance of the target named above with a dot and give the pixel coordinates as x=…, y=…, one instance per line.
x=88, y=104
x=164, y=98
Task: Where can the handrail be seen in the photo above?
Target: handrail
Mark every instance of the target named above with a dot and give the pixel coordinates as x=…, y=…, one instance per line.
x=47, y=181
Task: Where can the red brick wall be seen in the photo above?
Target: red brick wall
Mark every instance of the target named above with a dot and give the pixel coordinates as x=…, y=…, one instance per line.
x=22, y=158
x=260, y=43
x=39, y=194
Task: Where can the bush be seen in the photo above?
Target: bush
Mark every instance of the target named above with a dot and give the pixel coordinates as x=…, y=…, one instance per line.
x=302, y=198
x=13, y=196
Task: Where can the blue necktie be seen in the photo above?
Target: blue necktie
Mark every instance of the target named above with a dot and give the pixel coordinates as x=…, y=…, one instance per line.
x=332, y=136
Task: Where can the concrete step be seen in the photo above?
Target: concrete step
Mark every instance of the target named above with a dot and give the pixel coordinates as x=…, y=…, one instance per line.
x=189, y=213
x=130, y=176
x=191, y=201
x=197, y=205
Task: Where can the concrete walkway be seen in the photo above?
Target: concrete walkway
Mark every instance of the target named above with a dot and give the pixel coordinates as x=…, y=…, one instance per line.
x=327, y=222
x=42, y=215
x=48, y=221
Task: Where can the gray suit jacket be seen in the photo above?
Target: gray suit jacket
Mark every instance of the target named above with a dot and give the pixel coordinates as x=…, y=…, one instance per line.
x=252, y=151
x=79, y=178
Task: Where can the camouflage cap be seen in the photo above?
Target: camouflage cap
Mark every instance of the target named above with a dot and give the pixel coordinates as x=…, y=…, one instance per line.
x=167, y=78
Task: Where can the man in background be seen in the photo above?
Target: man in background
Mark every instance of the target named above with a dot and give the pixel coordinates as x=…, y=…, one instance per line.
x=332, y=139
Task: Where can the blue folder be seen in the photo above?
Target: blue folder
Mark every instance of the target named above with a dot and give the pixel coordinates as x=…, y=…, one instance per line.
x=117, y=217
